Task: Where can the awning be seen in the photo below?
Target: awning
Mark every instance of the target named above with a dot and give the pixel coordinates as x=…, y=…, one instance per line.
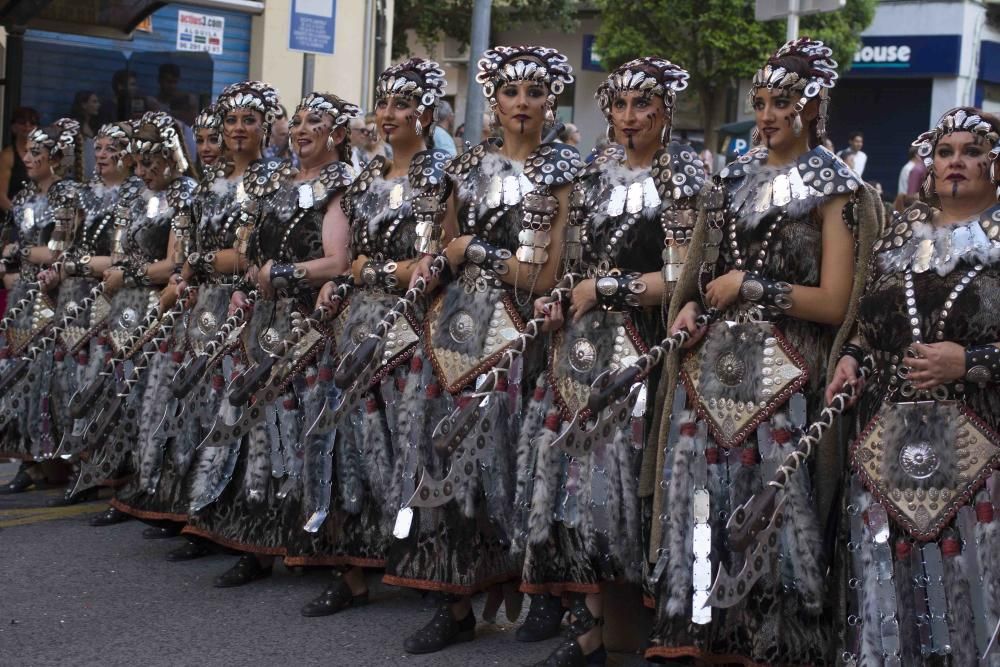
x=99, y=18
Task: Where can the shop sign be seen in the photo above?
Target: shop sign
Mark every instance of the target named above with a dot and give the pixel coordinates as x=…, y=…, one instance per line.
x=200, y=32
x=908, y=55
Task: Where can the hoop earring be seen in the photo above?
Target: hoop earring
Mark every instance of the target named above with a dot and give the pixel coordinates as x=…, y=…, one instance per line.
x=665, y=135
x=755, y=137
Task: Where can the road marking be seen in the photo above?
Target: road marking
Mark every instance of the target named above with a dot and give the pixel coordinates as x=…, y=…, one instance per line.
x=29, y=515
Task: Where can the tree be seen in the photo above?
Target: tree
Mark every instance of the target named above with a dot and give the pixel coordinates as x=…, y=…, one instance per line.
x=433, y=20
x=717, y=41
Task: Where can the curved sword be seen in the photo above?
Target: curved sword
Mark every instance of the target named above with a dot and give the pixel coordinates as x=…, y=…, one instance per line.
x=754, y=526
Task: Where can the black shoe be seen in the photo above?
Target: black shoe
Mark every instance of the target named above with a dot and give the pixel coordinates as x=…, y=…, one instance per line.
x=441, y=632
x=109, y=517
x=22, y=481
x=336, y=597
x=161, y=532
x=569, y=654
x=543, y=620
x=70, y=498
x=192, y=549
x=246, y=570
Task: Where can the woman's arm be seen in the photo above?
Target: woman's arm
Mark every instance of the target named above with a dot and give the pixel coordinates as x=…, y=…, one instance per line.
x=336, y=260
x=6, y=170
x=159, y=272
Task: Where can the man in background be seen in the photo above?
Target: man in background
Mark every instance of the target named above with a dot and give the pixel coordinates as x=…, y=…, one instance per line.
x=445, y=116
x=855, y=158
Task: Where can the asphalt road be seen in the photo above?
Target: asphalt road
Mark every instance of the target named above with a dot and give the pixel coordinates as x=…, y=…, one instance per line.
x=74, y=595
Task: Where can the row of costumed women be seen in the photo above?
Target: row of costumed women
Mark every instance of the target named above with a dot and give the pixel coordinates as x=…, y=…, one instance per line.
x=513, y=372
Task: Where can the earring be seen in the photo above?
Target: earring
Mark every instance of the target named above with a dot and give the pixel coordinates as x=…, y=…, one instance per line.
x=665, y=135
x=52, y=170
x=609, y=132
x=418, y=127
x=755, y=137
x=797, y=125
x=166, y=172
x=329, y=143
x=550, y=116
x=290, y=145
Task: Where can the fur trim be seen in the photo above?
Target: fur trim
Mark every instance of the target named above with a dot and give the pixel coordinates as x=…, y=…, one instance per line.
x=317, y=469
x=257, y=475
x=966, y=243
x=548, y=461
x=988, y=552
x=152, y=444
x=961, y=625
x=678, y=536
x=408, y=410
x=349, y=484
x=534, y=419
x=909, y=636
x=870, y=654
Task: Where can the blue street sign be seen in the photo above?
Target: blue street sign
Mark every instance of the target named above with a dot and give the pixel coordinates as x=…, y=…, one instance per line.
x=312, y=26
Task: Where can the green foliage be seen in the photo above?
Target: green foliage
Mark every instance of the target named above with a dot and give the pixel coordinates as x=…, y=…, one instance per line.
x=717, y=41
x=433, y=20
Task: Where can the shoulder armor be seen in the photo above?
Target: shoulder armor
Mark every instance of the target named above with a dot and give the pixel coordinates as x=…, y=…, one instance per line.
x=900, y=228
x=427, y=170
x=737, y=168
x=24, y=194
x=826, y=173
x=130, y=188
x=614, y=153
x=374, y=169
x=470, y=159
x=678, y=172
x=179, y=192
x=65, y=193
x=263, y=177
x=336, y=176
x=552, y=165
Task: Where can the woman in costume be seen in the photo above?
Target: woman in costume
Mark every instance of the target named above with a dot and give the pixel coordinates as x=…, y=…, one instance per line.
x=395, y=207
x=220, y=213
x=920, y=540
x=455, y=535
x=112, y=184
x=208, y=142
x=251, y=497
x=774, y=255
x=631, y=217
x=147, y=248
x=45, y=217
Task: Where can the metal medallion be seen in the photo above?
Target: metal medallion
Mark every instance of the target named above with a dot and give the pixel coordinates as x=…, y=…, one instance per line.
x=396, y=196
x=269, y=339
x=360, y=332
x=462, y=327
x=582, y=355
x=730, y=369
x=152, y=207
x=129, y=318
x=29, y=218
x=919, y=460
x=306, y=198
x=207, y=323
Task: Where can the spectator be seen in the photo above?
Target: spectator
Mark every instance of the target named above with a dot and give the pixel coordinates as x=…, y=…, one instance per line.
x=365, y=142
x=916, y=178
x=903, y=186
x=13, y=175
x=277, y=143
x=86, y=111
x=179, y=104
x=855, y=158
x=570, y=134
x=125, y=102
x=442, y=129
x=708, y=158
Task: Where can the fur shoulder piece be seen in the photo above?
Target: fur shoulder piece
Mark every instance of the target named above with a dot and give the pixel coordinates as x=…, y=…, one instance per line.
x=336, y=176
x=912, y=242
x=215, y=172
x=130, y=188
x=427, y=171
x=552, y=165
x=65, y=193
x=460, y=167
x=374, y=169
x=264, y=177
x=179, y=193
x=678, y=172
x=613, y=154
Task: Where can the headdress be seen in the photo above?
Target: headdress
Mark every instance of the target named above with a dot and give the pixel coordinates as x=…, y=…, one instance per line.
x=339, y=110
x=120, y=134
x=208, y=119
x=959, y=120
x=649, y=76
x=419, y=79
x=254, y=95
x=506, y=64
x=156, y=134
x=821, y=76
x=60, y=139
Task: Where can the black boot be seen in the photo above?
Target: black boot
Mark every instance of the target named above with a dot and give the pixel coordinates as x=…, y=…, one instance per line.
x=441, y=632
x=109, y=517
x=543, y=620
x=22, y=480
x=70, y=498
x=161, y=532
x=195, y=547
x=336, y=597
x=246, y=570
x=569, y=653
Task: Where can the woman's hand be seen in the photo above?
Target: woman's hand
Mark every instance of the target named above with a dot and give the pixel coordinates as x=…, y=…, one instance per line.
x=325, y=298
x=936, y=363
x=724, y=291
x=583, y=298
x=685, y=321
x=48, y=279
x=264, y=280
x=356, y=266
x=422, y=269
x=455, y=251
x=845, y=374
x=237, y=300
x=552, y=312
x=114, y=279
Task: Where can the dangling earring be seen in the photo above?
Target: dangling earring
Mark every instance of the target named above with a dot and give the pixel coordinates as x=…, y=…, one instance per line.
x=797, y=125
x=755, y=137
x=290, y=145
x=418, y=127
x=550, y=116
x=329, y=143
x=930, y=185
x=665, y=135
x=609, y=132
x=52, y=170
x=166, y=172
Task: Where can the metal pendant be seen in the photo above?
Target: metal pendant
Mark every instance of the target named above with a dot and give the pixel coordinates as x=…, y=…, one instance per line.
x=797, y=407
x=922, y=258
x=29, y=218
x=633, y=201
x=763, y=198
x=526, y=185
x=241, y=192
x=404, y=521
x=781, y=190
x=511, y=191
x=798, y=187
x=701, y=541
x=582, y=355
x=153, y=207
x=494, y=195
x=306, y=198
x=616, y=202
x=396, y=196
x=937, y=603
x=650, y=197
x=462, y=327
x=878, y=525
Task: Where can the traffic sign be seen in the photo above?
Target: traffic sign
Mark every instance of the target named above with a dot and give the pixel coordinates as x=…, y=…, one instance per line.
x=312, y=26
